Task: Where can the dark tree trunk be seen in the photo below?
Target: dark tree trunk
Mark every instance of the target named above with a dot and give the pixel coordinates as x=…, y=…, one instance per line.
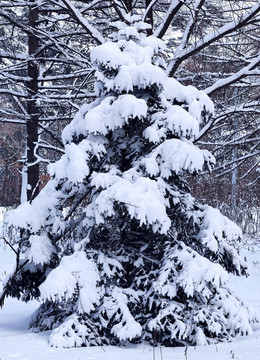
x=32, y=109
x=129, y=5
x=149, y=17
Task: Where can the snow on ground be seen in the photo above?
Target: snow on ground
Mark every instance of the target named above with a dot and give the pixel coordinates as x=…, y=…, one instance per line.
x=16, y=343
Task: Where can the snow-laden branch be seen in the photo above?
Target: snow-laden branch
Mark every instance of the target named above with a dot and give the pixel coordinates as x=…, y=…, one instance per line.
x=7, y=76
x=205, y=129
x=120, y=11
x=212, y=37
x=55, y=97
x=240, y=110
x=95, y=34
x=190, y=25
x=12, y=121
x=238, y=162
x=44, y=145
x=13, y=114
x=12, y=56
x=172, y=11
x=148, y=9
x=242, y=141
x=58, y=77
x=245, y=71
x=12, y=92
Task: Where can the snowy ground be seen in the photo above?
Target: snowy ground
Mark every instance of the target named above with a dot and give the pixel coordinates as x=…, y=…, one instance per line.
x=16, y=343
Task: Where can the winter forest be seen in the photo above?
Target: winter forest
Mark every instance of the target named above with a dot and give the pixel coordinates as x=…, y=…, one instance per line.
x=130, y=171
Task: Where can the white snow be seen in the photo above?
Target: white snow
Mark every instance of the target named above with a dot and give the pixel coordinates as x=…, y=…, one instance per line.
x=156, y=44
x=175, y=156
x=34, y=215
x=196, y=99
x=40, y=249
x=108, y=54
x=141, y=196
x=19, y=344
x=216, y=227
x=73, y=271
x=141, y=76
x=68, y=334
x=112, y=113
x=127, y=328
x=176, y=120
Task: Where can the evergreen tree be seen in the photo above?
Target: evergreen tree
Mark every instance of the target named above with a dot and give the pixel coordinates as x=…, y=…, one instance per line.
x=115, y=244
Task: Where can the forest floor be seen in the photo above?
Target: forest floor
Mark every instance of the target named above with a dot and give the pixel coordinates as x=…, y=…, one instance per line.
x=16, y=343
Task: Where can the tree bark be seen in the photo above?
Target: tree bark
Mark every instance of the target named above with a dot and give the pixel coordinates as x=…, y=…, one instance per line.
x=32, y=109
x=129, y=5
x=149, y=17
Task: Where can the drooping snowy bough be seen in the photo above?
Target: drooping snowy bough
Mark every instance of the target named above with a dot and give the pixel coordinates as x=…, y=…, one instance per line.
x=115, y=246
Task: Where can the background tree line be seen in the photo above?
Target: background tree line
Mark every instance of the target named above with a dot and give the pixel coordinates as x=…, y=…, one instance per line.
x=45, y=74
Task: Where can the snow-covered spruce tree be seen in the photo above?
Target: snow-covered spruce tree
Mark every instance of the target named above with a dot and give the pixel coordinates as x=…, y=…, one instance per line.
x=115, y=245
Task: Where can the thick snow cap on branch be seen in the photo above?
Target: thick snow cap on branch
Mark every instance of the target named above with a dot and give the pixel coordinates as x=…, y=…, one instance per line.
x=195, y=270
x=33, y=215
x=141, y=196
x=175, y=156
x=40, y=250
x=110, y=114
x=74, y=271
x=216, y=228
x=108, y=54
